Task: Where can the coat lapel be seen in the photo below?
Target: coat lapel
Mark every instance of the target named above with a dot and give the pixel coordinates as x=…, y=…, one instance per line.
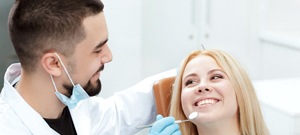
x=81, y=119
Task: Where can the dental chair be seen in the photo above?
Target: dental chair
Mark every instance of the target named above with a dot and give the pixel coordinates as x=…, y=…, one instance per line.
x=162, y=92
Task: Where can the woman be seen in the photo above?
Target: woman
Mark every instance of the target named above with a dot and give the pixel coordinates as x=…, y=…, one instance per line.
x=216, y=86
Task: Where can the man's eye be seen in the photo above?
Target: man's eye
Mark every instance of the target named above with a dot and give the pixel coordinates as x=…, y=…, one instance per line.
x=97, y=51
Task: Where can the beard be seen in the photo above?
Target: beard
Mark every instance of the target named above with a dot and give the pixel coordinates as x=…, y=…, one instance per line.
x=89, y=88
x=93, y=90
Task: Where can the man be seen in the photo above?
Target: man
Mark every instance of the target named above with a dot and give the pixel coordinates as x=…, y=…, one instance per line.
x=62, y=45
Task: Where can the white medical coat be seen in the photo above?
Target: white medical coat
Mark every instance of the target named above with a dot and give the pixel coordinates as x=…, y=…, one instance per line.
x=117, y=115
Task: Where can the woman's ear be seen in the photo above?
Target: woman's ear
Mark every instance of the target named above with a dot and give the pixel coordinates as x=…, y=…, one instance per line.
x=51, y=64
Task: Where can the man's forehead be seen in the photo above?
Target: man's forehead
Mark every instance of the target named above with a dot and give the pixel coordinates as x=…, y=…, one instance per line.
x=96, y=30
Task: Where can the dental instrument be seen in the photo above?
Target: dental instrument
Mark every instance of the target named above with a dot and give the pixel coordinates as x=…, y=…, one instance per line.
x=192, y=116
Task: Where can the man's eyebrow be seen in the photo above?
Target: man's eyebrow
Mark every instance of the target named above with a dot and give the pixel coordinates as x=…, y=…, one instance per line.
x=101, y=44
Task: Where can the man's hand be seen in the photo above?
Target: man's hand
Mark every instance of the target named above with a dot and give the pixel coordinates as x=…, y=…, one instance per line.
x=164, y=126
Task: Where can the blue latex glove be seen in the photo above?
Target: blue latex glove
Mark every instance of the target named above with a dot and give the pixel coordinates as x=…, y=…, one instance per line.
x=164, y=126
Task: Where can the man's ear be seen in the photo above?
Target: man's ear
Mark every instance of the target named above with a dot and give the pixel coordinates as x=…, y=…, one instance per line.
x=51, y=64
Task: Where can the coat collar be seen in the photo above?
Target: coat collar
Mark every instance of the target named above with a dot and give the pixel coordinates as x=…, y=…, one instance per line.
x=25, y=112
x=29, y=116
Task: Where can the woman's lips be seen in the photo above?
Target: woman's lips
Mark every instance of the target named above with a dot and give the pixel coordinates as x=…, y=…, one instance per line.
x=206, y=101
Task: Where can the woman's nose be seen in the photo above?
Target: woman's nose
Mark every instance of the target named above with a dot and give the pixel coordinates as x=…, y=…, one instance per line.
x=203, y=90
x=203, y=87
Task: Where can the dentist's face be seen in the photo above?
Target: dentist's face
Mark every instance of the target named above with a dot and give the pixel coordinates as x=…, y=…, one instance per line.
x=206, y=89
x=90, y=56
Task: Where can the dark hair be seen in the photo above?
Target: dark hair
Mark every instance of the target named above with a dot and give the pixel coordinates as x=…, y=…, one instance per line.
x=40, y=26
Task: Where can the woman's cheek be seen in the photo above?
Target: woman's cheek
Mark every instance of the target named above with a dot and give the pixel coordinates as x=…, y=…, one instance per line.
x=185, y=100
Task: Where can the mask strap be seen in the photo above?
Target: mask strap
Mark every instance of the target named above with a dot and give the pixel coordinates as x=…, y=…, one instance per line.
x=64, y=68
x=53, y=83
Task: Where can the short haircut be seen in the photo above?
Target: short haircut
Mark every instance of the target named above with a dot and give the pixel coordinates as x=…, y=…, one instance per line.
x=40, y=26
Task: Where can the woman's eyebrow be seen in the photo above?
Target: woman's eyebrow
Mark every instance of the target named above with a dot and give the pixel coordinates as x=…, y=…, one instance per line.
x=213, y=70
x=188, y=75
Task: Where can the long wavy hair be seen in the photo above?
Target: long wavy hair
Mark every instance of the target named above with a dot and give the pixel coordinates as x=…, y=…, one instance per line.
x=250, y=117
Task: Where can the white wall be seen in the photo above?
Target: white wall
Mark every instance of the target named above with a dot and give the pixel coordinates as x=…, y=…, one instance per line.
x=167, y=34
x=124, y=26
x=262, y=34
x=280, y=38
x=146, y=37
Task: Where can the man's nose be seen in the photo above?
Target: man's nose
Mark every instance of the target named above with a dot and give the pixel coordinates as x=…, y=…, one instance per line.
x=107, y=56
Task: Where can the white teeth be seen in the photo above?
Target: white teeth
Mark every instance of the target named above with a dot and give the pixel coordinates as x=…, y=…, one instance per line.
x=206, y=101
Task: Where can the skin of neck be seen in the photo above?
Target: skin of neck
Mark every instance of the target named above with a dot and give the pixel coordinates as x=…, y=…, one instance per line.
x=38, y=91
x=228, y=126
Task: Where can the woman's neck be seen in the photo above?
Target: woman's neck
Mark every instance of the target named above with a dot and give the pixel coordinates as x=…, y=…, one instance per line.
x=225, y=127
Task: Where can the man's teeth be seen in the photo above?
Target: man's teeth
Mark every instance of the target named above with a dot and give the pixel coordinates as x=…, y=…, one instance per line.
x=206, y=101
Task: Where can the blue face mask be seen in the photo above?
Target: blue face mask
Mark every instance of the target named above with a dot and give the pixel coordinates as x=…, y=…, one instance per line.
x=78, y=93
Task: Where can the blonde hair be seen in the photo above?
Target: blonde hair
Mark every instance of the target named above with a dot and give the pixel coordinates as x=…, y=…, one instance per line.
x=251, y=120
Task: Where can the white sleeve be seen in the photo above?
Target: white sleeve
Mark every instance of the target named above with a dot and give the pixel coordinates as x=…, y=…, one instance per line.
x=121, y=113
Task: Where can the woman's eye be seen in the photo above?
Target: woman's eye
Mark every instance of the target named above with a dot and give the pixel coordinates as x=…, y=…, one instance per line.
x=216, y=77
x=188, y=82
